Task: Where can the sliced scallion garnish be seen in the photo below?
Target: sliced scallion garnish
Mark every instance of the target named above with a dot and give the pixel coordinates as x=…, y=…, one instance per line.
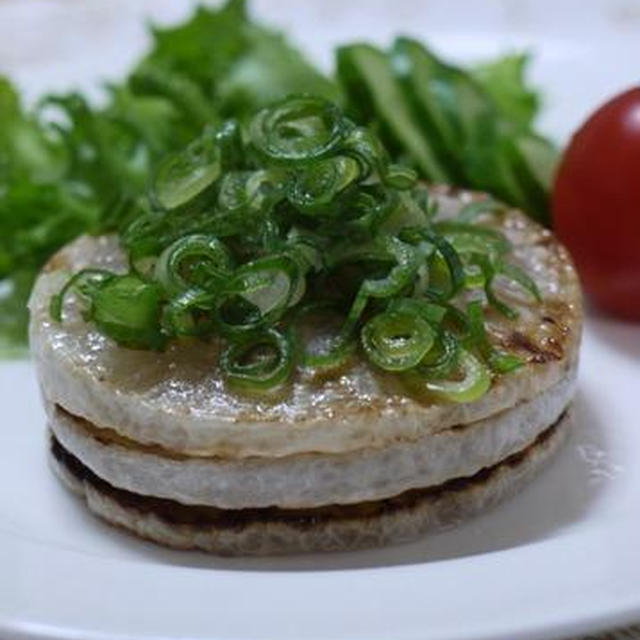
x=301, y=221
x=259, y=362
x=194, y=260
x=396, y=340
x=184, y=175
x=127, y=309
x=298, y=129
x=474, y=381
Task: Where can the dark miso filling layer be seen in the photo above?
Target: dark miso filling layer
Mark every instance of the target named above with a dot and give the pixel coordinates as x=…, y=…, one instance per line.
x=177, y=513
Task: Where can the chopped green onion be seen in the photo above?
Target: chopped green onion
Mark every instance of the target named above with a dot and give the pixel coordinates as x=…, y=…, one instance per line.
x=474, y=383
x=127, y=309
x=442, y=360
x=407, y=262
x=400, y=177
x=145, y=235
x=467, y=238
x=475, y=209
x=432, y=313
x=298, y=129
x=454, y=266
x=83, y=282
x=489, y=273
x=195, y=260
x=308, y=249
x=335, y=354
x=446, y=268
x=259, y=362
x=363, y=145
x=367, y=149
x=248, y=193
x=317, y=184
x=517, y=275
x=322, y=350
x=473, y=277
x=366, y=213
x=396, y=340
x=258, y=293
x=189, y=314
x=269, y=283
x=183, y=176
x=229, y=140
x=303, y=222
x=497, y=360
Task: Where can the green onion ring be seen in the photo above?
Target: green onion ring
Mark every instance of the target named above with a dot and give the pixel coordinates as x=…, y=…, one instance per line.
x=267, y=286
x=127, y=309
x=229, y=140
x=298, y=129
x=489, y=273
x=477, y=338
x=144, y=236
x=317, y=184
x=179, y=316
x=250, y=192
x=262, y=375
x=339, y=352
x=407, y=264
x=213, y=263
x=517, y=275
x=455, y=268
x=340, y=348
x=396, y=340
x=454, y=265
x=472, y=238
x=473, y=210
x=367, y=212
x=474, y=384
x=431, y=312
x=442, y=359
x=182, y=176
x=92, y=278
x=400, y=177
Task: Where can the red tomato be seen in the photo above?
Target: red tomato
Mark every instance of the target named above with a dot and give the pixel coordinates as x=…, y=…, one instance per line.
x=596, y=204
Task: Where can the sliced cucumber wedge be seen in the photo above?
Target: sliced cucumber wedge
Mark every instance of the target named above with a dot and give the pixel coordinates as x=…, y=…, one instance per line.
x=374, y=92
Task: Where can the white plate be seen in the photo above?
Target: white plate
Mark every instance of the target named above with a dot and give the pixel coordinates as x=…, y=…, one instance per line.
x=560, y=559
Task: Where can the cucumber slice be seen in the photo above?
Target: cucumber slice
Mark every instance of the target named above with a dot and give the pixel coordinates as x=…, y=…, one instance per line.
x=490, y=168
x=373, y=91
x=540, y=156
x=443, y=93
x=419, y=75
x=451, y=105
x=534, y=162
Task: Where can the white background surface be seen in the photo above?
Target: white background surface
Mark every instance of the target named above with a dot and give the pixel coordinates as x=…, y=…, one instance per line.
x=560, y=559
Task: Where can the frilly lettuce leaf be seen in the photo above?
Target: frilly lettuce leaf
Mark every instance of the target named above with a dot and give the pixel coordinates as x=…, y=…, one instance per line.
x=68, y=167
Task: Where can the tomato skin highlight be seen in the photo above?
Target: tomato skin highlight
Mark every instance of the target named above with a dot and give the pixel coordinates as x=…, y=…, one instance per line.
x=596, y=204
